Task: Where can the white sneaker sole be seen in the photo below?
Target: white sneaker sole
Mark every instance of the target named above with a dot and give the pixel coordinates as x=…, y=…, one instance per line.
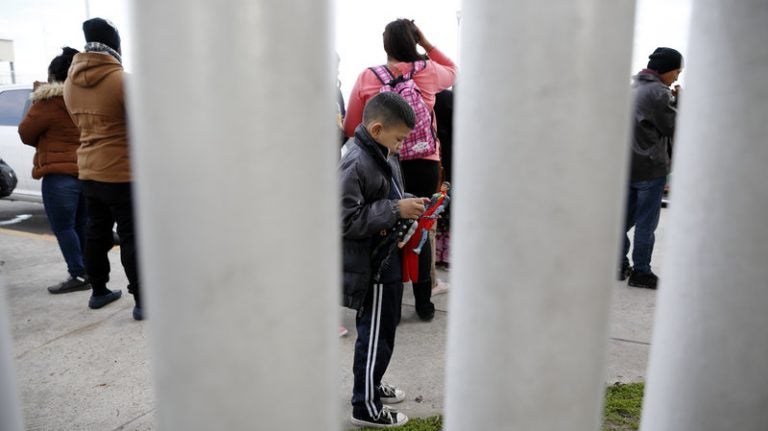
x=362, y=423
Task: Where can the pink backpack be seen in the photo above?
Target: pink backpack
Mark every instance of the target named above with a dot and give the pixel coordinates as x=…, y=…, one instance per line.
x=422, y=141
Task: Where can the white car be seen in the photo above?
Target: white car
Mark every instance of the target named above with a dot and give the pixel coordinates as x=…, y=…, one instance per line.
x=14, y=103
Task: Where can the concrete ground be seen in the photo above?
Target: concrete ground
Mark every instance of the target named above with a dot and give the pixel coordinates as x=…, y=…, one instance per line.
x=81, y=369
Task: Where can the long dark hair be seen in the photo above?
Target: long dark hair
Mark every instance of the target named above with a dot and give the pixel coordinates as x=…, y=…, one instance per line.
x=400, y=39
x=60, y=64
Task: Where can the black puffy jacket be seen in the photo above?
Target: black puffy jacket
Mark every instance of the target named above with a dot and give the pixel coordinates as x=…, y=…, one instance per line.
x=366, y=210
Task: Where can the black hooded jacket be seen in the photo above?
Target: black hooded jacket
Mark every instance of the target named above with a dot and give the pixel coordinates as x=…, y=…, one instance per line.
x=366, y=210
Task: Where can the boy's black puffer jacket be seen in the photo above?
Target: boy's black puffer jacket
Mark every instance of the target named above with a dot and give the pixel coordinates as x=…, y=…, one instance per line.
x=366, y=210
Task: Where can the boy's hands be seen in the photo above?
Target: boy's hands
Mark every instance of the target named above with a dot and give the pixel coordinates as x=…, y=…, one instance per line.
x=412, y=208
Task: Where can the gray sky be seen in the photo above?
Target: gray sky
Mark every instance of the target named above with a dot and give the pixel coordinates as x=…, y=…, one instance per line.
x=40, y=27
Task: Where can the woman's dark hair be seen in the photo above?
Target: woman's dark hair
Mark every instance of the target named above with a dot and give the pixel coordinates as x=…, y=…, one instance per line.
x=60, y=65
x=400, y=39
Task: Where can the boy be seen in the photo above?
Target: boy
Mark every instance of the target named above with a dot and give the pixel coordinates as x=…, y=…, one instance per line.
x=372, y=202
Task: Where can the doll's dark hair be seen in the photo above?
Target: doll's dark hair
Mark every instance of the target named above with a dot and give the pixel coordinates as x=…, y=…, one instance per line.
x=400, y=40
x=60, y=64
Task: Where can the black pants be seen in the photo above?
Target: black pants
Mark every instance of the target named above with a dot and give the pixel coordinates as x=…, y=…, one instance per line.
x=422, y=289
x=421, y=180
x=108, y=203
x=376, y=324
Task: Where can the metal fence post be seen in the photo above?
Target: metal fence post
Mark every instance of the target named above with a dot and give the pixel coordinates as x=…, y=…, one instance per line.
x=232, y=116
x=542, y=126
x=707, y=369
x=10, y=411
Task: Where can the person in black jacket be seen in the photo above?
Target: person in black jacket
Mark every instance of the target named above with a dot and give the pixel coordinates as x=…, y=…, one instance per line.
x=654, y=128
x=372, y=203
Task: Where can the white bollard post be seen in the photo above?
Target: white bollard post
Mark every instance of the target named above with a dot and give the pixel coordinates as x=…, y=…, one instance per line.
x=10, y=412
x=232, y=116
x=707, y=369
x=542, y=147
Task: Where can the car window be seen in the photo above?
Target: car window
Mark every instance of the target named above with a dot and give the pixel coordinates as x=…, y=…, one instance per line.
x=13, y=105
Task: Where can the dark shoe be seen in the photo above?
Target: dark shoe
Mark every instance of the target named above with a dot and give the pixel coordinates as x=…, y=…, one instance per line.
x=388, y=418
x=138, y=313
x=390, y=394
x=425, y=309
x=72, y=284
x=647, y=280
x=426, y=316
x=97, y=302
x=624, y=272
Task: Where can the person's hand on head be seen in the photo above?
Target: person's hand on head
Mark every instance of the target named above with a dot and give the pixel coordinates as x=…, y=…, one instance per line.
x=421, y=40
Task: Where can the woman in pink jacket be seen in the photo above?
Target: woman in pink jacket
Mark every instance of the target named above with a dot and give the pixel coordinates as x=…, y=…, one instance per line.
x=422, y=175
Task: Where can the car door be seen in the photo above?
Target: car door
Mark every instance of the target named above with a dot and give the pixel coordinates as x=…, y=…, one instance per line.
x=14, y=103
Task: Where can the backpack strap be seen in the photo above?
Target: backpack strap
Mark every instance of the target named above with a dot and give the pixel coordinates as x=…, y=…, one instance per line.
x=418, y=66
x=383, y=73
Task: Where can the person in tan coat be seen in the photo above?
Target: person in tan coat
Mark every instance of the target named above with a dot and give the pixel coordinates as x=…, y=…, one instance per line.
x=94, y=97
x=49, y=128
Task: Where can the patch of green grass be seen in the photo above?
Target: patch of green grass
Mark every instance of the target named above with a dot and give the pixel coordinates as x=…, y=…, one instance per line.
x=622, y=411
x=622, y=407
x=434, y=423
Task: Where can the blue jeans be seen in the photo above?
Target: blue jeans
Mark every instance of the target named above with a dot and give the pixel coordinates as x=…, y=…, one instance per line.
x=643, y=210
x=65, y=206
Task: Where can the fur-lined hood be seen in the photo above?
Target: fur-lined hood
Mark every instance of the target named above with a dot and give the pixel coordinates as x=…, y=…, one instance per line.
x=47, y=91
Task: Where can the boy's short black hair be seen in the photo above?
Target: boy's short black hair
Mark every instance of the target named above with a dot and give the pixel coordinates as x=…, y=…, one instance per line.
x=390, y=109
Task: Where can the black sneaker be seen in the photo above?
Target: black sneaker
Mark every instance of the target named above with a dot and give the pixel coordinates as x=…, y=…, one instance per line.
x=97, y=302
x=390, y=394
x=647, y=280
x=72, y=284
x=388, y=418
x=138, y=313
x=624, y=272
x=426, y=316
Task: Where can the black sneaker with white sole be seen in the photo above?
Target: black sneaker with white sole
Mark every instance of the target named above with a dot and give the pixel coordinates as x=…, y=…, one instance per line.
x=388, y=418
x=390, y=394
x=72, y=284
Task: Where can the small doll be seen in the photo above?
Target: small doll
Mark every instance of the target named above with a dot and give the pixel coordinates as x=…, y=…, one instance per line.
x=412, y=243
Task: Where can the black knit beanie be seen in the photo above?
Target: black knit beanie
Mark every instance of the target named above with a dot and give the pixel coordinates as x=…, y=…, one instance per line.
x=101, y=30
x=665, y=59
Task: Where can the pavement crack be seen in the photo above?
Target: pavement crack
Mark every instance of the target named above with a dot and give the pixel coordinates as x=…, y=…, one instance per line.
x=624, y=340
x=122, y=427
x=414, y=307
x=73, y=332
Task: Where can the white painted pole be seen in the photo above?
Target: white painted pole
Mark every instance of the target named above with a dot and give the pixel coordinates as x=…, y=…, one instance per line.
x=10, y=413
x=708, y=369
x=542, y=145
x=235, y=155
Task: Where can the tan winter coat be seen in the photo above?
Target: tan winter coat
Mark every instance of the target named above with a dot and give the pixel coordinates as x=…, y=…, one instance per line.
x=93, y=93
x=49, y=128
